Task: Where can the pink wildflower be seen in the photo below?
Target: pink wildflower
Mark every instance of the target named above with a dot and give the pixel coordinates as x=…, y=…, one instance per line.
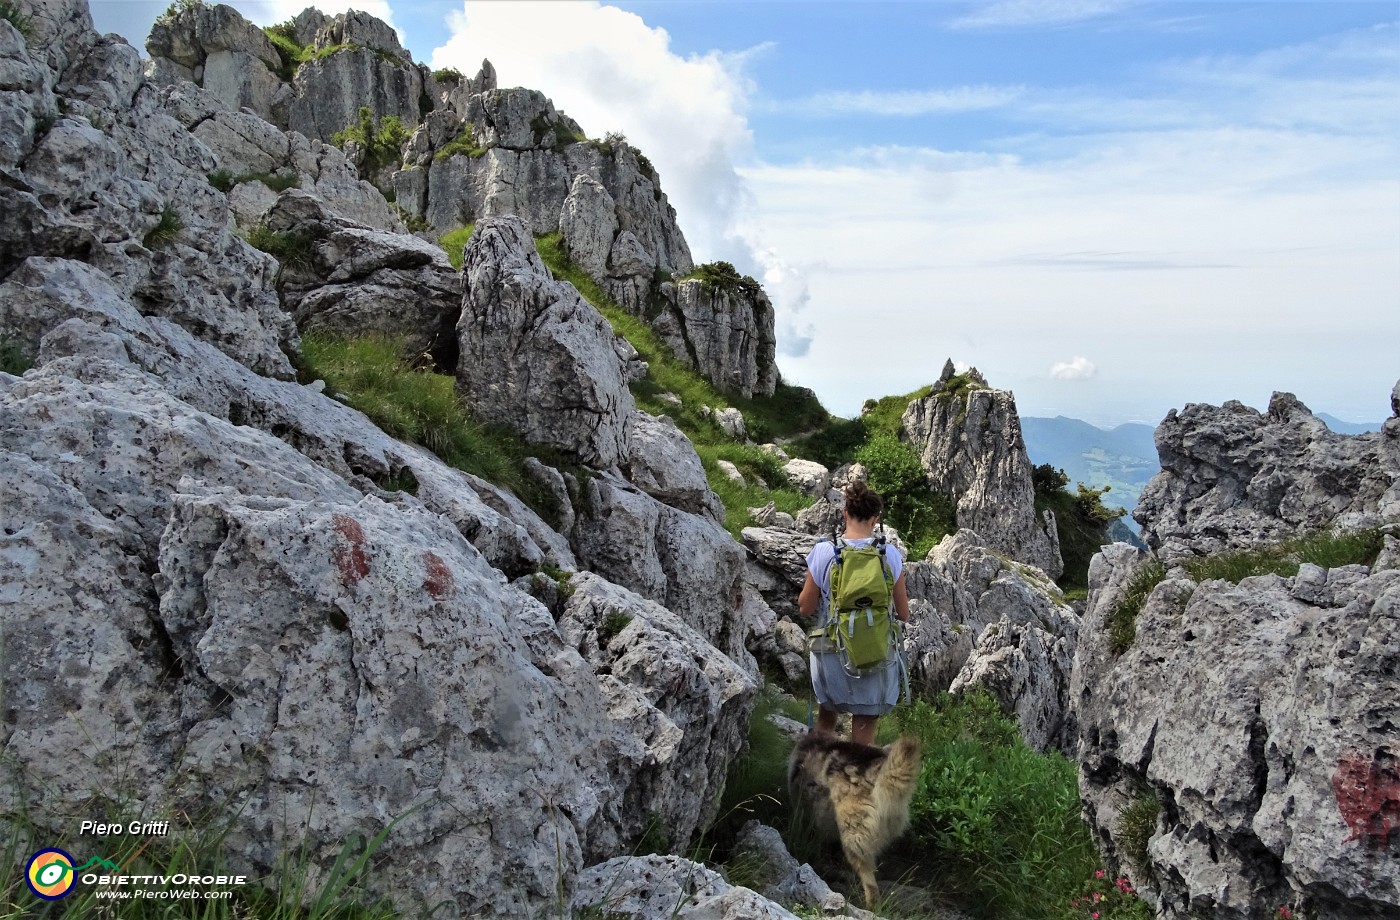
x=1098, y=874
x=1095, y=915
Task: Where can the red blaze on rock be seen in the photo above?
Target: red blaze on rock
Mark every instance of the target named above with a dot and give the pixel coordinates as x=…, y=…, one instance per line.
x=1367, y=786
x=439, y=582
x=351, y=559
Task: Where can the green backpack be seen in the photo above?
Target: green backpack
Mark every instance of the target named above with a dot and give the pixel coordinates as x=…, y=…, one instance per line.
x=859, y=622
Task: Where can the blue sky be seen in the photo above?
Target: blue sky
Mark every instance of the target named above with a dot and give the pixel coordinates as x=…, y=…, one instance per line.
x=1110, y=208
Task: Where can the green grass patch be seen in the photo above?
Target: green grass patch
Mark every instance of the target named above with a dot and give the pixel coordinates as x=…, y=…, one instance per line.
x=764, y=482
x=454, y=241
x=1122, y=620
x=1136, y=824
x=1284, y=558
x=293, y=250
x=292, y=53
x=998, y=823
x=224, y=180
x=420, y=406
x=464, y=144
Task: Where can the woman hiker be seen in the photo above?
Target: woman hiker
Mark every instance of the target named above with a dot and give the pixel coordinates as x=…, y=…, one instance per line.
x=875, y=691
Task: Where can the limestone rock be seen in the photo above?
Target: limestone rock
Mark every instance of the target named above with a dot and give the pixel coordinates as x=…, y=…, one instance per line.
x=1259, y=719
x=534, y=354
x=588, y=224
x=786, y=881
x=1232, y=477
x=663, y=463
x=363, y=65
x=669, y=686
x=983, y=622
x=809, y=477
x=970, y=444
x=669, y=888
x=685, y=562
x=725, y=336
x=216, y=48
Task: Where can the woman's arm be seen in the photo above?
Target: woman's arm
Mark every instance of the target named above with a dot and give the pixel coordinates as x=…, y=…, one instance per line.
x=901, y=599
x=810, y=597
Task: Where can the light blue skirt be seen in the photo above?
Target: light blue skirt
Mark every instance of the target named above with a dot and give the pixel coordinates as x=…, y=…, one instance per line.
x=873, y=693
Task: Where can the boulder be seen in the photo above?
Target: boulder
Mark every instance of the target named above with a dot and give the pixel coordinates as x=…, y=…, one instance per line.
x=968, y=436
x=1257, y=721
x=663, y=463
x=669, y=686
x=683, y=561
x=535, y=355
x=1232, y=476
x=808, y=477
x=668, y=888
x=216, y=48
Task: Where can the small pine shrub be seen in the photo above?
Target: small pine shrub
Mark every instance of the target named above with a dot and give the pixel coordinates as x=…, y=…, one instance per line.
x=448, y=75
x=13, y=360
x=723, y=276
x=380, y=139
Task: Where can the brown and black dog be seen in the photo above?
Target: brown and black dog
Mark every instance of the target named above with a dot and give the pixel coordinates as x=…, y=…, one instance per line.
x=857, y=793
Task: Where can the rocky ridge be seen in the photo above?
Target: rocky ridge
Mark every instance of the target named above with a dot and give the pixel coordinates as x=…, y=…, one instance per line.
x=1248, y=732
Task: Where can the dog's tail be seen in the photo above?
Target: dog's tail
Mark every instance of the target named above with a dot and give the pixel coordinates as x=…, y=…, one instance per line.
x=900, y=772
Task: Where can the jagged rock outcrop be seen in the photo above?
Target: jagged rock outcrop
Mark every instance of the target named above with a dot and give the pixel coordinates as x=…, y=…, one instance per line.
x=685, y=562
x=359, y=64
x=987, y=623
x=216, y=48
x=355, y=280
x=725, y=336
x=969, y=439
x=1232, y=476
x=1257, y=722
x=664, y=684
x=665, y=887
x=663, y=463
x=535, y=355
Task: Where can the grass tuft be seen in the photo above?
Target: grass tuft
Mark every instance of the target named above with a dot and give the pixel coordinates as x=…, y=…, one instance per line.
x=1284, y=558
x=454, y=241
x=165, y=231
x=1122, y=620
x=293, y=250
x=13, y=359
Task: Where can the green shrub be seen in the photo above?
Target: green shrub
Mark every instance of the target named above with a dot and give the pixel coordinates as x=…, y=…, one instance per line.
x=723, y=276
x=1082, y=521
x=380, y=139
x=166, y=230
x=1122, y=620
x=176, y=8
x=448, y=75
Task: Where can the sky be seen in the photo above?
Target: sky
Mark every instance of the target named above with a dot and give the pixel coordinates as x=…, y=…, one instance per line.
x=1111, y=208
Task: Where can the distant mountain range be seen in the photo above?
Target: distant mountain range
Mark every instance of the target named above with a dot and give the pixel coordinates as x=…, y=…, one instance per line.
x=1123, y=458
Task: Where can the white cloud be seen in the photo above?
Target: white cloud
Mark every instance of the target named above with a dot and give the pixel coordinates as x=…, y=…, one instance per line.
x=1021, y=13
x=900, y=103
x=1080, y=368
